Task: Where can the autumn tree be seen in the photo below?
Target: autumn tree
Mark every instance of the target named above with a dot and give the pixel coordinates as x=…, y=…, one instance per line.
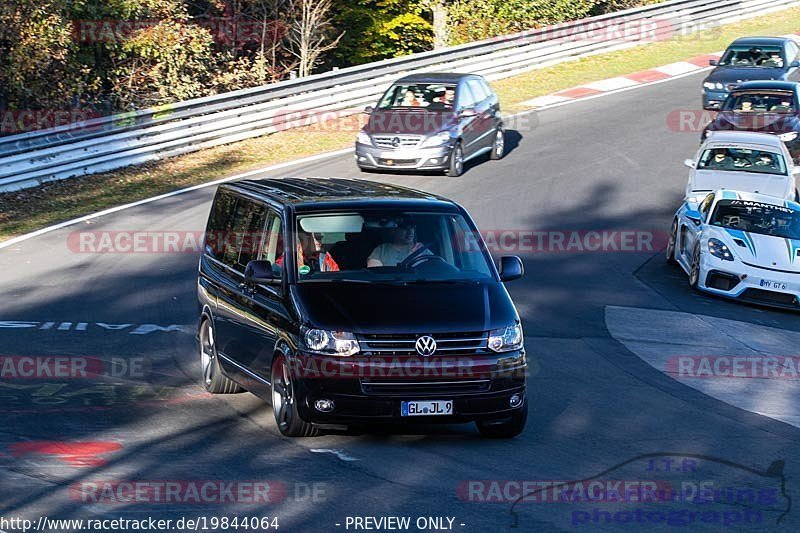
x=310, y=32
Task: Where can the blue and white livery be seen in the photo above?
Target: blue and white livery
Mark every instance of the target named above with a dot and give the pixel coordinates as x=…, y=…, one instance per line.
x=740, y=245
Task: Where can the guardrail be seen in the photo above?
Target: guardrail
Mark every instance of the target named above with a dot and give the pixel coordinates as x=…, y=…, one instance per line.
x=112, y=142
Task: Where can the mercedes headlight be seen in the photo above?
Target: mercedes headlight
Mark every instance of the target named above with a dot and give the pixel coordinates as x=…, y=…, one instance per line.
x=324, y=342
x=719, y=249
x=506, y=339
x=788, y=136
x=713, y=86
x=443, y=137
x=363, y=138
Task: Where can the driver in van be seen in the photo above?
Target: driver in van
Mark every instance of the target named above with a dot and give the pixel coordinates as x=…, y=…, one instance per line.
x=404, y=243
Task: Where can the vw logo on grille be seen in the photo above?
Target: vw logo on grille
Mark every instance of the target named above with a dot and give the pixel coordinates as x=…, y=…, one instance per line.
x=425, y=345
x=396, y=142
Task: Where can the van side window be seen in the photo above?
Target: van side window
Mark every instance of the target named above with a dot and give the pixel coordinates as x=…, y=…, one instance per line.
x=272, y=246
x=218, y=223
x=244, y=236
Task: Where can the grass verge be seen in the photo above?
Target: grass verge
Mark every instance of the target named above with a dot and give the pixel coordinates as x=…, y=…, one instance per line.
x=31, y=209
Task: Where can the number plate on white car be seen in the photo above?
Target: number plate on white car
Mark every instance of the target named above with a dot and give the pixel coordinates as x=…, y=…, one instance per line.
x=771, y=284
x=426, y=408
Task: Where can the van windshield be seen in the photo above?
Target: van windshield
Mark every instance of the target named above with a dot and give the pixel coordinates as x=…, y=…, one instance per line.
x=389, y=246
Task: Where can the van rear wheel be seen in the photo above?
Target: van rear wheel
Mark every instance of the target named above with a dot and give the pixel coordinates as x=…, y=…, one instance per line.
x=214, y=380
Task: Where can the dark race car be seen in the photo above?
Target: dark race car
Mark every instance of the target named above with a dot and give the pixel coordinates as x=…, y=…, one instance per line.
x=762, y=106
x=750, y=59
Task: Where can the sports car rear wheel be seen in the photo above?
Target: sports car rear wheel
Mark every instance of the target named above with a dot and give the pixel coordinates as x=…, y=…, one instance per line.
x=694, y=271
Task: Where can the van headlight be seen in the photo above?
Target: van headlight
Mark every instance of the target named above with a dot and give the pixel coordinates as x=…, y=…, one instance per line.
x=324, y=342
x=788, y=136
x=711, y=86
x=363, y=138
x=717, y=248
x=443, y=137
x=506, y=339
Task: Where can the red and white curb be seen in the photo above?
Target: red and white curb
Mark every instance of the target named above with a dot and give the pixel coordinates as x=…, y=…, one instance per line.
x=630, y=81
x=621, y=83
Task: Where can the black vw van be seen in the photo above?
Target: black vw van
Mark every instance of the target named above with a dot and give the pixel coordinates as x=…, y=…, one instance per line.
x=344, y=301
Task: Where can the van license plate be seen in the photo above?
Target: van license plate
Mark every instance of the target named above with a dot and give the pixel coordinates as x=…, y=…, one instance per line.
x=427, y=408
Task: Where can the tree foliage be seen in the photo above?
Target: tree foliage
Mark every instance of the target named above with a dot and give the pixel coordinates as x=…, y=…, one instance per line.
x=380, y=29
x=118, y=55
x=472, y=20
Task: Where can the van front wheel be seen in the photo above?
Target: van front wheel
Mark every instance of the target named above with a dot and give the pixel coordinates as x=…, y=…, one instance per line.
x=284, y=402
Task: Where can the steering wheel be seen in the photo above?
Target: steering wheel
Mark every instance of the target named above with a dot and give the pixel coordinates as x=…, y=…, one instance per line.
x=416, y=258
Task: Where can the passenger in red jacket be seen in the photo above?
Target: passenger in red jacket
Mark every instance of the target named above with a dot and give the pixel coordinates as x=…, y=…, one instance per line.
x=311, y=253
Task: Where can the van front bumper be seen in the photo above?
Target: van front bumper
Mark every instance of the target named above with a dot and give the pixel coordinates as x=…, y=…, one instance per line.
x=365, y=390
x=433, y=158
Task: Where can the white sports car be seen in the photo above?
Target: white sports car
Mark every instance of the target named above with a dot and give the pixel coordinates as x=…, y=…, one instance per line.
x=740, y=245
x=742, y=161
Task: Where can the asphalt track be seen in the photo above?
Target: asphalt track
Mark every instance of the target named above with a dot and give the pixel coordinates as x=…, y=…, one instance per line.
x=597, y=410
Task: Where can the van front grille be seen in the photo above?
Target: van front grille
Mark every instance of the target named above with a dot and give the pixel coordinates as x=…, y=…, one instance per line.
x=466, y=343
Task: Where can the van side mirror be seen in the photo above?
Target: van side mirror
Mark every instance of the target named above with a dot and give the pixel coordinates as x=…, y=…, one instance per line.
x=260, y=272
x=796, y=171
x=689, y=163
x=511, y=268
x=369, y=109
x=794, y=64
x=712, y=62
